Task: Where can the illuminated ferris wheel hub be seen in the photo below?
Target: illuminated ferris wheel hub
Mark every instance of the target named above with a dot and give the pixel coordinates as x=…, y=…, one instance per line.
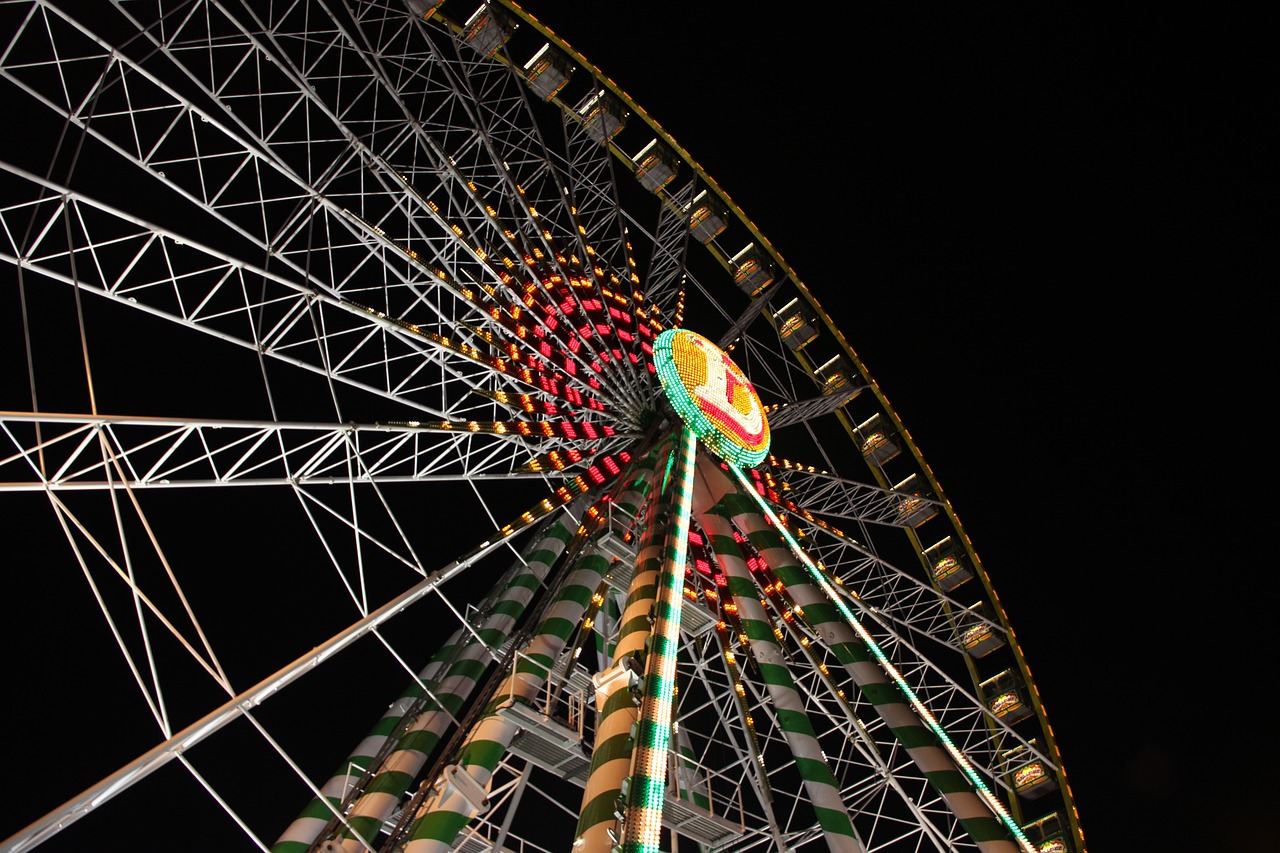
x=712, y=396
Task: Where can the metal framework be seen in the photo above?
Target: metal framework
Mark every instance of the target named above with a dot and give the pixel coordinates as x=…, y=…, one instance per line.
x=337, y=318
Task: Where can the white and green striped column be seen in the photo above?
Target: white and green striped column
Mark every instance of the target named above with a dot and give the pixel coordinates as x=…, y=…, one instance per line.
x=642, y=821
x=436, y=828
x=491, y=736
x=991, y=831
x=456, y=685
x=616, y=709
x=306, y=828
x=820, y=784
x=451, y=675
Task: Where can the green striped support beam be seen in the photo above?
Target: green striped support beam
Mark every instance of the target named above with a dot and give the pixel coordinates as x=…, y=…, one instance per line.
x=470, y=775
x=300, y=835
x=451, y=675
x=491, y=736
x=951, y=774
x=456, y=685
x=642, y=823
x=819, y=782
x=615, y=708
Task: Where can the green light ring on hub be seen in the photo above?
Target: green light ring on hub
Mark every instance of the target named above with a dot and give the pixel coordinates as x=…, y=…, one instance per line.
x=710, y=393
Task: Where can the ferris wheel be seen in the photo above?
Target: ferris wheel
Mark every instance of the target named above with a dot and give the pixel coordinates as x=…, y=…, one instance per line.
x=416, y=450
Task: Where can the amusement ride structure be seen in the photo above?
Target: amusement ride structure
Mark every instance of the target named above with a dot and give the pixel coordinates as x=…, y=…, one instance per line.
x=434, y=457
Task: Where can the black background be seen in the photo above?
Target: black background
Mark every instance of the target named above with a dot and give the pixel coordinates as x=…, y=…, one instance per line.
x=1038, y=227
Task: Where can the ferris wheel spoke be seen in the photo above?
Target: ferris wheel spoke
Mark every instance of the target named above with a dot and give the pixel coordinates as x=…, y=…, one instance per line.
x=59, y=452
x=353, y=342
x=84, y=541
x=799, y=411
x=889, y=591
x=277, y=245
x=754, y=309
x=592, y=195
x=150, y=268
x=805, y=489
x=671, y=246
x=798, y=733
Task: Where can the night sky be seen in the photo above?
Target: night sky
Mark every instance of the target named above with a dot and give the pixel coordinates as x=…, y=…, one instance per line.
x=1030, y=224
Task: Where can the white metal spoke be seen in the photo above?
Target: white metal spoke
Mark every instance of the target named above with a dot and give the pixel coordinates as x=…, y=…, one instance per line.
x=163, y=452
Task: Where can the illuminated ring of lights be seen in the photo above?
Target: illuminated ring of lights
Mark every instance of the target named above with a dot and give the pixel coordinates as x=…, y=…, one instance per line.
x=713, y=397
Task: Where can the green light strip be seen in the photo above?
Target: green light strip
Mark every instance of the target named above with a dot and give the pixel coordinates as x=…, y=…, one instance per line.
x=816, y=574
x=642, y=827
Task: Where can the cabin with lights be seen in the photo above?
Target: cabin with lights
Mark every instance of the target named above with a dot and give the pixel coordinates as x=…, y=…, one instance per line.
x=423, y=8
x=1006, y=696
x=948, y=563
x=980, y=633
x=655, y=166
x=834, y=375
x=1050, y=834
x=876, y=440
x=797, y=325
x=914, y=505
x=1028, y=773
x=707, y=217
x=603, y=115
x=752, y=271
x=487, y=30
x=547, y=72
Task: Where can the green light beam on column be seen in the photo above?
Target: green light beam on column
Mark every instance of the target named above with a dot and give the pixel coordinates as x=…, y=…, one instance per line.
x=820, y=579
x=642, y=825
